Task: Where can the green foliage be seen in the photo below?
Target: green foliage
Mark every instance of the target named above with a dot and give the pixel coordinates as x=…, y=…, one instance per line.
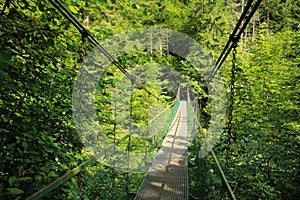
x=279, y=15
x=266, y=124
x=40, y=57
x=36, y=121
x=208, y=23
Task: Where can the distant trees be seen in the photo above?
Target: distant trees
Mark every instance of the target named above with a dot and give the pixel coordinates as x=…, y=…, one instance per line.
x=40, y=55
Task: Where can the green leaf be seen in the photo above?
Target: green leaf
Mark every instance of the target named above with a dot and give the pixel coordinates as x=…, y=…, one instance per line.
x=12, y=179
x=73, y=9
x=3, y=74
x=15, y=191
x=53, y=174
x=38, y=177
x=78, y=156
x=25, y=145
x=25, y=178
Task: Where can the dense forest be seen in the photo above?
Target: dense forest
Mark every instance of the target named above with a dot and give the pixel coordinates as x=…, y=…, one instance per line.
x=42, y=52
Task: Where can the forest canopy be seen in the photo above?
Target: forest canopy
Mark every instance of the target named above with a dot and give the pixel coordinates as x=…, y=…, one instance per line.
x=41, y=53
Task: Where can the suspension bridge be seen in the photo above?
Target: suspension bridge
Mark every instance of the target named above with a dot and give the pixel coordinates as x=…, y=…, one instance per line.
x=167, y=176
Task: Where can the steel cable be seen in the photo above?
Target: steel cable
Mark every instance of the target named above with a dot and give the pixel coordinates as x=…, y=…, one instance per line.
x=66, y=13
x=234, y=37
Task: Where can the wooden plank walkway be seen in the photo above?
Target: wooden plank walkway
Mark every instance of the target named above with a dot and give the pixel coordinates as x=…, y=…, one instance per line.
x=167, y=177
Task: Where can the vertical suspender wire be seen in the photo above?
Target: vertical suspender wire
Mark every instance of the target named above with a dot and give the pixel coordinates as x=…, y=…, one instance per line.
x=115, y=138
x=201, y=163
x=147, y=133
x=79, y=175
x=129, y=138
x=231, y=103
x=115, y=121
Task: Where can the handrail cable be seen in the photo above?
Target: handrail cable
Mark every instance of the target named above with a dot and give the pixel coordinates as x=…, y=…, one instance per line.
x=59, y=181
x=67, y=14
x=232, y=195
x=168, y=107
x=39, y=194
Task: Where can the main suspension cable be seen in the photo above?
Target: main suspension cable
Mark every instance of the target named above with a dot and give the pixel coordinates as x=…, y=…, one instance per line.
x=234, y=36
x=67, y=14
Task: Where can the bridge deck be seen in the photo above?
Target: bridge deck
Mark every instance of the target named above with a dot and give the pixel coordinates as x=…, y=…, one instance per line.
x=167, y=177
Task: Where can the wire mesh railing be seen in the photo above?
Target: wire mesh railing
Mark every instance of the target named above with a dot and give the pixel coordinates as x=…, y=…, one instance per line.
x=159, y=126
x=199, y=134
x=95, y=176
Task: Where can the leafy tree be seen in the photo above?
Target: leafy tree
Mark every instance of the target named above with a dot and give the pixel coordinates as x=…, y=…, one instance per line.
x=266, y=120
x=40, y=54
x=38, y=139
x=209, y=24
